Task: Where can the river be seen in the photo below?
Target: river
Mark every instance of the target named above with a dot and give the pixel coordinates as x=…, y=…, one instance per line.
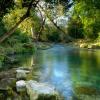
x=74, y=72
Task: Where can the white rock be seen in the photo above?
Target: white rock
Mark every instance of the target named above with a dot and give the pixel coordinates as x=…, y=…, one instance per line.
x=19, y=71
x=35, y=89
x=21, y=85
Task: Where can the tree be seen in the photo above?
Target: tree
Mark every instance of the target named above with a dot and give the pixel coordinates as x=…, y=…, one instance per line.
x=49, y=15
x=33, y=4
x=5, y=5
x=26, y=15
x=89, y=13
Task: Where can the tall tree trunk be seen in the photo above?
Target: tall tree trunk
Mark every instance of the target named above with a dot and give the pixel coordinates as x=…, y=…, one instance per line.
x=26, y=15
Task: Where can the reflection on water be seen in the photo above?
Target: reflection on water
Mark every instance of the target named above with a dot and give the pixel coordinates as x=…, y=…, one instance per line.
x=72, y=71
x=19, y=60
x=55, y=69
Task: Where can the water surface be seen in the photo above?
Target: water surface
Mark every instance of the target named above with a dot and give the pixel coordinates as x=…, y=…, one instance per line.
x=71, y=70
x=74, y=72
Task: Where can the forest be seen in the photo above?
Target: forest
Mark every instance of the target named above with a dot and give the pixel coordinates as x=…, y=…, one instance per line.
x=50, y=21
x=29, y=25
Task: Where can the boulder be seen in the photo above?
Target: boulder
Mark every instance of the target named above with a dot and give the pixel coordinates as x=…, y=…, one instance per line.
x=22, y=74
x=41, y=91
x=83, y=45
x=21, y=86
x=7, y=83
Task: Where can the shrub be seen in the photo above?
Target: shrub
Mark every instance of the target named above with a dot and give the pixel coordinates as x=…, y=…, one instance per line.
x=75, y=29
x=54, y=36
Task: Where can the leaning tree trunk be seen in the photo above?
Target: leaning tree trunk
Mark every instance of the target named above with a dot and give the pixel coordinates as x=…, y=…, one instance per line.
x=6, y=35
x=10, y=32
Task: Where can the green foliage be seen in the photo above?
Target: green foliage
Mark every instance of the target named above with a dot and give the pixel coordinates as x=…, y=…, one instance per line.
x=89, y=14
x=16, y=43
x=20, y=41
x=50, y=33
x=2, y=28
x=54, y=37
x=75, y=28
x=13, y=17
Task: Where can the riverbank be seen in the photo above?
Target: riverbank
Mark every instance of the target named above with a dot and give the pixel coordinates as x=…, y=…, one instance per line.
x=6, y=50
x=88, y=44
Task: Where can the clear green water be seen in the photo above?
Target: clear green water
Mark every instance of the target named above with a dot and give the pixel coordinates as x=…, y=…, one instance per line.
x=74, y=72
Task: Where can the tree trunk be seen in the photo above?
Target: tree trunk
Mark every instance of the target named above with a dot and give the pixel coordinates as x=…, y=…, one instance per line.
x=42, y=23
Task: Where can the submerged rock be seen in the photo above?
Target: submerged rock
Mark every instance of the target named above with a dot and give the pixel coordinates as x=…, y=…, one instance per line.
x=41, y=91
x=87, y=90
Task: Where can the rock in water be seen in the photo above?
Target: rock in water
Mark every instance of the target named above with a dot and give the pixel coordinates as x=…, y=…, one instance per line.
x=41, y=91
x=21, y=86
x=22, y=74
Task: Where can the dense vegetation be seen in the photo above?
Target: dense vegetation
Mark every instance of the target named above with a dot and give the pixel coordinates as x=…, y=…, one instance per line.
x=52, y=21
x=85, y=20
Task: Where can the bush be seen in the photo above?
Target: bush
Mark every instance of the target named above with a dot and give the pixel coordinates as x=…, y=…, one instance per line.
x=54, y=37
x=2, y=28
x=75, y=29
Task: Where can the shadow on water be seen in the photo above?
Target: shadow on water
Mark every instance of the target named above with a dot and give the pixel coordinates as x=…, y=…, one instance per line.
x=74, y=72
